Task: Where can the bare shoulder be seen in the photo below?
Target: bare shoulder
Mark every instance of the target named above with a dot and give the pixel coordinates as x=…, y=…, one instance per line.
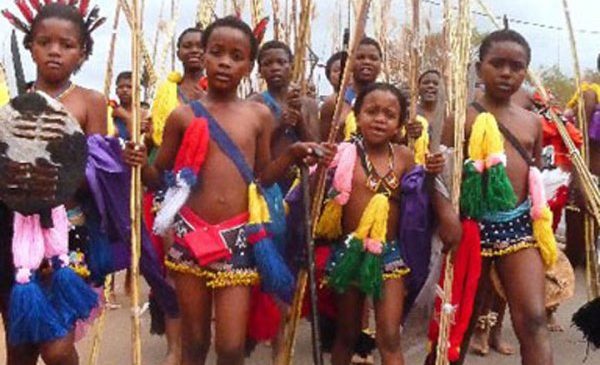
x=92, y=98
x=262, y=114
x=310, y=103
x=530, y=119
x=330, y=101
x=180, y=117
x=256, y=97
x=405, y=158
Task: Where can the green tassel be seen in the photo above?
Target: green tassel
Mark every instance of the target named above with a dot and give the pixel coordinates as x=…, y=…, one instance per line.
x=471, y=202
x=347, y=267
x=499, y=193
x=371, y=275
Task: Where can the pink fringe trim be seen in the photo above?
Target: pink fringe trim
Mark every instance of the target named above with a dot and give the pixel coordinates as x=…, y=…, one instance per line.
x=373, y=246
x=342, y=180
x=536, y=192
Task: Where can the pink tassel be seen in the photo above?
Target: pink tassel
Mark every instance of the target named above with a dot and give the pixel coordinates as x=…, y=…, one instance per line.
x=56, y=239
x=479, y=165
x=27, y=246
x=373, y=246
x=495, y=159
x=342, y=180
x=536, y=192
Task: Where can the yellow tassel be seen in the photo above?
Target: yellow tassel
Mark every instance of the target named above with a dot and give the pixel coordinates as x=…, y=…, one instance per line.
x=373, y=222
x=350, y=126
x=422, y=143
x=165, y=101
x=544, y=236
x=258, y=209
x=329, y=225
x=476, y=141
x=494, y=141
x=584, y=87
x=4, y=96
x=485, y=137
x=110, y=122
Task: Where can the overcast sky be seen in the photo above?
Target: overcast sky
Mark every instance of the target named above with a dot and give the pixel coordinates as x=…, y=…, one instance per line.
x=549, y=46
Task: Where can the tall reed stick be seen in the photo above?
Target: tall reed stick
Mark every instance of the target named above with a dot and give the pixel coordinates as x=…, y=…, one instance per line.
x=301, y=44
x=415, y=61
x=108, y=75
x=148, y=62
x=292, y=328
x=276, y=20
x=459, y=41
x=136, y=186
x=589, y=229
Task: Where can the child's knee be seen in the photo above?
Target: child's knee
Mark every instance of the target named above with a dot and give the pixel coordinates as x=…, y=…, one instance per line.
x=531, y=324
x=231, y=351
x=59, y=354
x=388, y=339
x=195, y=348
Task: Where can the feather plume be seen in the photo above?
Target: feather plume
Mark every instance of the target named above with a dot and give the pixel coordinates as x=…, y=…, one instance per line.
x=73, y=2
x=17, y=65
x=25, y=10
x=16, y=22
x=96, y=24
x=91, y=18
x=83, y=7
x=260, y=29
x=35, y=4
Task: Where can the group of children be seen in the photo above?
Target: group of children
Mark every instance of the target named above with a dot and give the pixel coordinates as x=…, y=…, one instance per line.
x=219, y=169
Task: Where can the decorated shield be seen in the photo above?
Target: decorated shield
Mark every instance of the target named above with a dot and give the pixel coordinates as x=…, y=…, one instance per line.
x=43, y=153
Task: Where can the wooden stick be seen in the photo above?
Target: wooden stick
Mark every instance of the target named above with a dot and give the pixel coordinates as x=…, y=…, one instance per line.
x=276, y=20
x=459, y=39
x=301, y=44
x=99, y=323
x=291, y=333
x=111, y=52
x=148, y=62
x=136, y=186
x=414, y=63
x=589, y=232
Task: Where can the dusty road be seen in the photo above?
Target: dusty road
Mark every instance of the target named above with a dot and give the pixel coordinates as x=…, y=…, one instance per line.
x=569, y=349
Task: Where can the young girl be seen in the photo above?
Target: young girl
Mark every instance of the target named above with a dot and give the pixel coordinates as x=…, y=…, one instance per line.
x=59, y=39
x=179, y=89
x=502, y=190
x=363, y=218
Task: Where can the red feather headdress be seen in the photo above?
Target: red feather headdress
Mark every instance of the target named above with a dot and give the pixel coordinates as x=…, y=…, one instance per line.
x=30, y=8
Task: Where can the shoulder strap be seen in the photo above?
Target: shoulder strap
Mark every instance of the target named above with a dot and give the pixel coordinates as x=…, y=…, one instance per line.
x=272, y=103
x=514, y=141
x=350, y=96
x=222, y=139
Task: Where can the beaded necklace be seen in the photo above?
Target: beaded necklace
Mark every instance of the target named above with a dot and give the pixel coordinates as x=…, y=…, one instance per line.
x=375, y=182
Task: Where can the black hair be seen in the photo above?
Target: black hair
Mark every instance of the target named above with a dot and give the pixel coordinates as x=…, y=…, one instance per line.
x=187, y=31
x=125, y=75
x=333, y=59
x=63, y=12
x=275, y=45
x=504, y=35
x=371, y=42
x=235, y=23
x=427, y=72
x=383, y=86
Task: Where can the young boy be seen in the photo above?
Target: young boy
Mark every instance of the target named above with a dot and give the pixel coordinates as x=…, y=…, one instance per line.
x=220, y=203
x=59, y=40
x=121, y=112
x=509, y=227
x=296, y=117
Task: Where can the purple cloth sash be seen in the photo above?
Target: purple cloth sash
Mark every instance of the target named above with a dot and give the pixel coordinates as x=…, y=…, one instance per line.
x=109, y=180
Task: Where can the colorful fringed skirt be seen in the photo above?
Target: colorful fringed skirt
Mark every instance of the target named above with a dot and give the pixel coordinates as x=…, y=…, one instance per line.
x=507, y=232
x=393, y=265
x=217, y=253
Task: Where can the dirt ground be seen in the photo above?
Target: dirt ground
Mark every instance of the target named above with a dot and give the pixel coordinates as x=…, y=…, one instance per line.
x=569, y=348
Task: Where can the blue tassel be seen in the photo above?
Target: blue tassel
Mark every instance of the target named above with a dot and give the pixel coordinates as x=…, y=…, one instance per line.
x=275, y=276
x=99, y=255
x=31, y=316
x=70, y=296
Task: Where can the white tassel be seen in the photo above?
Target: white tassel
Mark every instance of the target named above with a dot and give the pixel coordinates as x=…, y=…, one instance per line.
x=175, y=198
